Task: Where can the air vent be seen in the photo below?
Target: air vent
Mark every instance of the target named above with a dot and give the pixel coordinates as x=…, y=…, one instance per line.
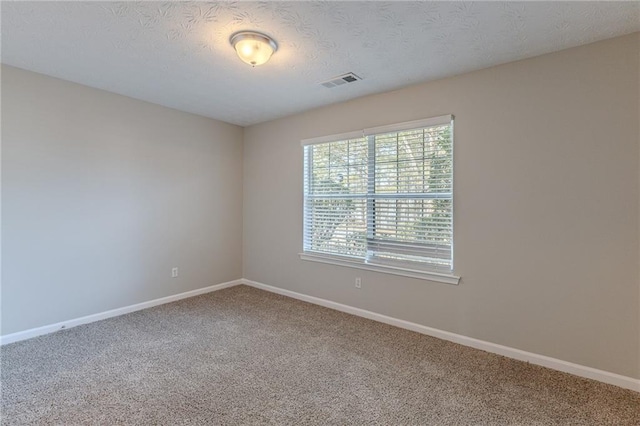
x=340, y=80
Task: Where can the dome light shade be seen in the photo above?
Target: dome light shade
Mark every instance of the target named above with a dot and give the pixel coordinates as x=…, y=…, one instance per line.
x=253, y=48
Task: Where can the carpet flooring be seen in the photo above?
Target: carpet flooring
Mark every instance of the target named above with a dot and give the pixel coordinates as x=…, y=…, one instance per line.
x=242, y=356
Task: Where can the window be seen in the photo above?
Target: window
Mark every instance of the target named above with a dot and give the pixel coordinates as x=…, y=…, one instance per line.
x=382, y=197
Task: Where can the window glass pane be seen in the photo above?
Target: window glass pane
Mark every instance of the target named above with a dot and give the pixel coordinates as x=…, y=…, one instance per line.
x=411, y=176
x=320, y=155
x=339, y=154
x=438, y=159
x=338, y=167
x=338, y=226
x=358, y=151
x=386, y=148
x=357, y=181
x=386, y=180
x=410, y=146
x=415, y=220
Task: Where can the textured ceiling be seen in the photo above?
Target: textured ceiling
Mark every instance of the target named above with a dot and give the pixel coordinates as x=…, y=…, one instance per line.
x=177, y=54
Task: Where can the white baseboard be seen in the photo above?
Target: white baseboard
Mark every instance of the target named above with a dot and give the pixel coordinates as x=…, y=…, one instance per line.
x=545, y=361
x=39, y=331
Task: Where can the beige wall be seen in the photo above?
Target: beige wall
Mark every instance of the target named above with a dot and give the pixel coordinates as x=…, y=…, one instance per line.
x=546, y=206
x=103, y=194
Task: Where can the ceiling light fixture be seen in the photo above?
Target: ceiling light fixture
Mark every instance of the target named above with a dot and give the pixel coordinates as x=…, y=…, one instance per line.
x=252, y=47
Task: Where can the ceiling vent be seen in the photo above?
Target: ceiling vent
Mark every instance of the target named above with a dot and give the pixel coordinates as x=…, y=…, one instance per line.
x=340, y=80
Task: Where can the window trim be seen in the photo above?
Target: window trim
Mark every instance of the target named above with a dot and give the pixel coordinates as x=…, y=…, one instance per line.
x=360, y=263
x=398, y=127
x=376, y=267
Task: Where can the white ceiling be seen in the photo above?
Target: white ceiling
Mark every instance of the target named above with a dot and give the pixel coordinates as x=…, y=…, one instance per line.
x=177, y=54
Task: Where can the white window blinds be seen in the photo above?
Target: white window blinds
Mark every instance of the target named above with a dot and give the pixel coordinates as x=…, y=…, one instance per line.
x=384, y=196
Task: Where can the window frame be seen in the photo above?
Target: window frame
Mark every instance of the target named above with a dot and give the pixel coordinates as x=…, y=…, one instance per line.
x=425, y=271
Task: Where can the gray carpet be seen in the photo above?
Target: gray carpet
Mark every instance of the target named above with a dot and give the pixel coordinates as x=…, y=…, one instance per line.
x=245, y=356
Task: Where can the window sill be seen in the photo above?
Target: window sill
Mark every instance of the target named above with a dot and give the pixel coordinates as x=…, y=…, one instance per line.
x=354, y=263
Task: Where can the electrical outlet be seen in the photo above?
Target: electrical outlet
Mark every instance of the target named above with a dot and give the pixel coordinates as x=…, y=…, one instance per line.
x=174, y=272
x=358, y=282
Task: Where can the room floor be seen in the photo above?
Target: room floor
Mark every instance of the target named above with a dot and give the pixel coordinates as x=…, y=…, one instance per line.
x=246, y=356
